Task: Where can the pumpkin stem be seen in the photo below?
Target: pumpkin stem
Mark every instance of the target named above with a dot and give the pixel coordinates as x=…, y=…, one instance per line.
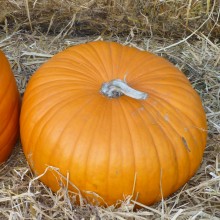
x=118, y=87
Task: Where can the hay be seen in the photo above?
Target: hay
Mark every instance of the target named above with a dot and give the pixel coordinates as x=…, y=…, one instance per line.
x=164, y=18
x=23, y=196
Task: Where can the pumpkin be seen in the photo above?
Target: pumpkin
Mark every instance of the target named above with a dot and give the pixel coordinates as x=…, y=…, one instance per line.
x=116, y=120
x=9, y=109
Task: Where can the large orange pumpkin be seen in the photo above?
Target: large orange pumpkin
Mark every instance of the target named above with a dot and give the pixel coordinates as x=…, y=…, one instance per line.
x=9, y=109
x=118, y=120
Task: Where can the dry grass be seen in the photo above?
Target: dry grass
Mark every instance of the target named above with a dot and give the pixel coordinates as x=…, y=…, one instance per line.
x=196, y=52
x=166, y=18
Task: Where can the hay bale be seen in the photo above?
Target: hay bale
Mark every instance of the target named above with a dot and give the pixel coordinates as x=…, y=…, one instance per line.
x=173, y=19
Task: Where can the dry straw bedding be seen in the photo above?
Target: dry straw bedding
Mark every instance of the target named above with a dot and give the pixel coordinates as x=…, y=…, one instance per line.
x=185, y=32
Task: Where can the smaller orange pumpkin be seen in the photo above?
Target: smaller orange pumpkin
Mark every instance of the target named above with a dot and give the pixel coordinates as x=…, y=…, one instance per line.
x=9, y=109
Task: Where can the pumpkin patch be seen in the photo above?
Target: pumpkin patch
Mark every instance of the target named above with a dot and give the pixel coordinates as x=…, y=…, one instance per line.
x=118, y=121
x=9, y=109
